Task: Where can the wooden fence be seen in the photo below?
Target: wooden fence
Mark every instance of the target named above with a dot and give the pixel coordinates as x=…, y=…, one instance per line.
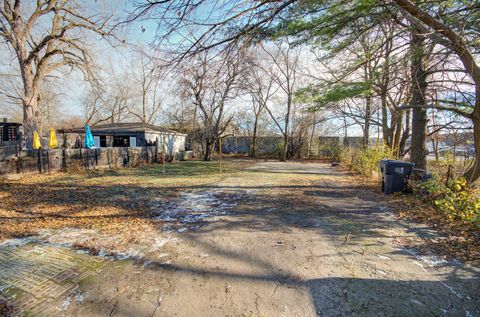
x=41, y=161
x=9, y=149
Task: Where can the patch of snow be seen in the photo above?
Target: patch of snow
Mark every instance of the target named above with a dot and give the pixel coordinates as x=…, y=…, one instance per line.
x=418, y=264
x=452, y=290
x=130, y=253
x=429, y=261
x=15, y=242
x=64, y=305
x=193, y=207
x=79, y=297
x=67, y=236
x=417, y=302
x=76, y=297
x=383, y=257
x=160, y=243
x=120, y=255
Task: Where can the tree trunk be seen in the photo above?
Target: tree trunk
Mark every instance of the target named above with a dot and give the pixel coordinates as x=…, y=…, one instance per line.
x=368, y=107
x=398, y=132
x=310, y=142
x=435, y=149
x=31, y=122
x=31, y=110
x=208, y=148
x=368, y=113
x=285, y=147
x=254, y=138
x=418, y=153
x=418, y=150
x=287, y=122
x=473, y=173
x=406, y=133
x=385, y=129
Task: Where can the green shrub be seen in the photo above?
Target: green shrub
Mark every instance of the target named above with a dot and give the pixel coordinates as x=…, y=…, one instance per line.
x=332, y=152
x=365, y=160
x=454, y=198
x=278, y=151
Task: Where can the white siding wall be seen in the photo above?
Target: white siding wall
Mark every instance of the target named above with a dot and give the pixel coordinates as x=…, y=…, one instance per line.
x=173, y=143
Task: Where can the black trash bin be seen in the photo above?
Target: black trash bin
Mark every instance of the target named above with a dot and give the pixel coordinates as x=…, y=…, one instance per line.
x=395, y=175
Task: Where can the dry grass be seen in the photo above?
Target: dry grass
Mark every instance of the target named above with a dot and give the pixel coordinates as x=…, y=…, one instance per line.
x=459, y=239
x=111, y=201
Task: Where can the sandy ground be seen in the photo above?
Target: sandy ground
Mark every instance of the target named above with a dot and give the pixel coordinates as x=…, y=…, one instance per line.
x=279, y=239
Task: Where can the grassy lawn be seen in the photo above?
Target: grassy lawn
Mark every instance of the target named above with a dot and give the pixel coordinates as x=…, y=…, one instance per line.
x=110, y=201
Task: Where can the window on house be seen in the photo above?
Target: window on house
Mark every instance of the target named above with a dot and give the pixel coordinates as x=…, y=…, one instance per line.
x=12, y=133
x=103, y=141
x=121, y=141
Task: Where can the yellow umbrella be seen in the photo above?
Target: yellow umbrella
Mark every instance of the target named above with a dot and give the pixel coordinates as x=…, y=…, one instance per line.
x=36, y=141
x=52, y=143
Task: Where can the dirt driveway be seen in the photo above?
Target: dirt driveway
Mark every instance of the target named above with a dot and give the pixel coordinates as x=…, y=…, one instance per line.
x=277, y=239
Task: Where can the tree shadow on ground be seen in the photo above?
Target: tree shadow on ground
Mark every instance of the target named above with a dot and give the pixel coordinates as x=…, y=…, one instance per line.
x=338, y=209
x=333, y=296
x=334, y=211
x=341, y=208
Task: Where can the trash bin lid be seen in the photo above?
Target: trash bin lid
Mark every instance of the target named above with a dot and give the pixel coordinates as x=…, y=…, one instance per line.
x=396, y=163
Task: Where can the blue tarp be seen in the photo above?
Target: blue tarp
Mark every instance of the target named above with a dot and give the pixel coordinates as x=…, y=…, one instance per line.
x=89, y=141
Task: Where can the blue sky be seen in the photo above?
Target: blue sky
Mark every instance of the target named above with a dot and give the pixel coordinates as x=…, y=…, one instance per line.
x=139, y=33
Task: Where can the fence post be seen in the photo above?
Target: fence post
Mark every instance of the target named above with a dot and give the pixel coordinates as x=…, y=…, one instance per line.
x=19, y=164
x=40, y=161
x=87, y=162
x=64, y=158
x=48, y=162
x=156, y=150
x=64, y=151
x=220, y=153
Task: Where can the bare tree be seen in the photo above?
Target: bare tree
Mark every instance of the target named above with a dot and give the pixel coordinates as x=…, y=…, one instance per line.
x=206, y=32
x=261, y=88
x=108, y=102
x=41, y=53
x=211, y=83
x=148, y=78
x=284, y=59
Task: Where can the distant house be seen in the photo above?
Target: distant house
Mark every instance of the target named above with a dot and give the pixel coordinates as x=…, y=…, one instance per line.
x=10, y=139
x=10, y=133
x=128, y=134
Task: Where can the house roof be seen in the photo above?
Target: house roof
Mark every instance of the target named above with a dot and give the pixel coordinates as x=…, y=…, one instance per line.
x=10, y=124
x=125, y=127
